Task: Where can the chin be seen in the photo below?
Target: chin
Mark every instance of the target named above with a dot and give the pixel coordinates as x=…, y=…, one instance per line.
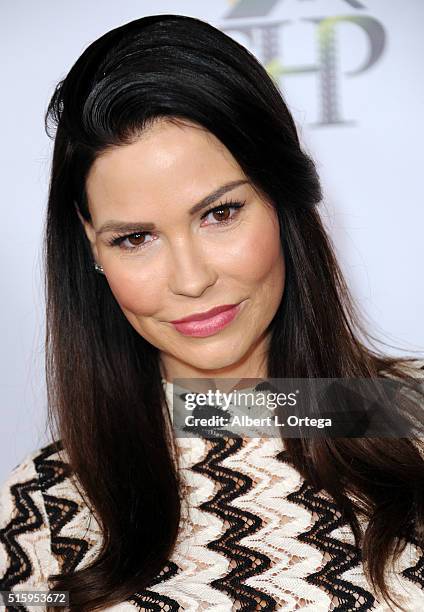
x=213, y=362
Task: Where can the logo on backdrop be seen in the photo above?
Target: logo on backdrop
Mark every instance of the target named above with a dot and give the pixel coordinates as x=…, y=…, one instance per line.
x=256, y=21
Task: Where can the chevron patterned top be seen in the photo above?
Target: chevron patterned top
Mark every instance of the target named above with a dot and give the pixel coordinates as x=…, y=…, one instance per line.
x=254, y=535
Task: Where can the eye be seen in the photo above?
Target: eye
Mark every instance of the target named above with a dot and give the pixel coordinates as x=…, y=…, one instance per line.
x=137, y=240
x=223, y=212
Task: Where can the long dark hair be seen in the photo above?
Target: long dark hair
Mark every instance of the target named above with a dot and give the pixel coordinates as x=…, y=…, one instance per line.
x=104, y=382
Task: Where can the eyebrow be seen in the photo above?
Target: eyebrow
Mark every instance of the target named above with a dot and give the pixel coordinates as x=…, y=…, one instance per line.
x=120, y=226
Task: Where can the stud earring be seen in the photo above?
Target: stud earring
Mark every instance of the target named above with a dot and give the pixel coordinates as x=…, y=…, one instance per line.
x=98, y=268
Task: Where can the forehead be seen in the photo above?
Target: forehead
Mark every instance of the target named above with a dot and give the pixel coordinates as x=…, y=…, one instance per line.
x=179, y=163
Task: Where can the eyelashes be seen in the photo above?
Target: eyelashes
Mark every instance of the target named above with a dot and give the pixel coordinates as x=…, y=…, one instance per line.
x=118, y=239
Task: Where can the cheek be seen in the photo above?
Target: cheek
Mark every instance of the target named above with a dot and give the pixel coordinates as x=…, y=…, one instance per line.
x=255, y=256
x=136, y=293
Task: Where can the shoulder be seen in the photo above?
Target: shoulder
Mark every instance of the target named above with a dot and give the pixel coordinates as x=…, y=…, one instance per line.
x=25, y=481
x=41, y=514
x=25, y=551
x=33, y=474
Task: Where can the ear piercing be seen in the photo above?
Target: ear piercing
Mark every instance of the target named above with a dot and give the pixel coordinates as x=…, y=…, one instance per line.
x=98, y=268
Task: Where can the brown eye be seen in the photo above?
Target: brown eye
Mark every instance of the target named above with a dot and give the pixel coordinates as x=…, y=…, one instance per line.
x=136, y=239
x=131, y=242
x=222, y=213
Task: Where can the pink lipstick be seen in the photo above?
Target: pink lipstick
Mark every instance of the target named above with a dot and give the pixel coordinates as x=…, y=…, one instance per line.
x=207, y=323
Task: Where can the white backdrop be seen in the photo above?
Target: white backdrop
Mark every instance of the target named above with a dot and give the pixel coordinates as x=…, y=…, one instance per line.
x=351, y=72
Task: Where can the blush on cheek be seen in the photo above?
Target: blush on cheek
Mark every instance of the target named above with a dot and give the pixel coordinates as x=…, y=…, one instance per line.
x=263, y=259
x=135, y=296
x=257, y=253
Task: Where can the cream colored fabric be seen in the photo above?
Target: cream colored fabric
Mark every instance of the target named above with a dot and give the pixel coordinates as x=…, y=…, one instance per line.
x=264, y=495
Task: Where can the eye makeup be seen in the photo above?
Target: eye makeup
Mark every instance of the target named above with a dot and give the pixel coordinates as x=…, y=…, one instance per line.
x=118, y=240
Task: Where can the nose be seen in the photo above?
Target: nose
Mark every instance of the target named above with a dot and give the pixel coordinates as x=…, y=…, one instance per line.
x=190, y=273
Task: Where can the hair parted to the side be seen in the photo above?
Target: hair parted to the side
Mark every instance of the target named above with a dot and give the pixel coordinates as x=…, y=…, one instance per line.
x=104, y=383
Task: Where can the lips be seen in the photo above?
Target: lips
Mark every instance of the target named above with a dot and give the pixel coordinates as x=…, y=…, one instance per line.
x=201, y=316
x=210, y=325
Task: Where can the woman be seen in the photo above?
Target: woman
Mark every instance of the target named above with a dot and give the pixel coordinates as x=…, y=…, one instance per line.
x=178, y=186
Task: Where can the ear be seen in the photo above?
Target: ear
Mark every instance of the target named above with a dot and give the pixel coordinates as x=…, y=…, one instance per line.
x=90, y=232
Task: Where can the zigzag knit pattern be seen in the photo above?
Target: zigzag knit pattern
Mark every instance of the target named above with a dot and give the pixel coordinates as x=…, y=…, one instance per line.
x=254, y=535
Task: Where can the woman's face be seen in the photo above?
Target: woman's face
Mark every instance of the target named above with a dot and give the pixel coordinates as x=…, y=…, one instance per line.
x=170, y=262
